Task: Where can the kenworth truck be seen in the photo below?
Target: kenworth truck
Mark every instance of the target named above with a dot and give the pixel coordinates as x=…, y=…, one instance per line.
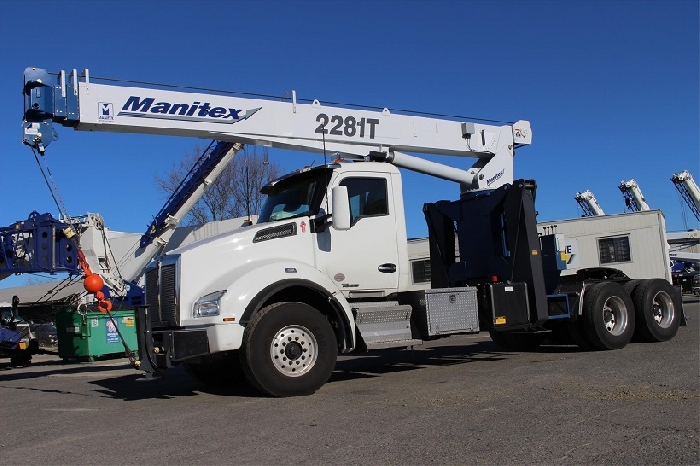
x=325, y=270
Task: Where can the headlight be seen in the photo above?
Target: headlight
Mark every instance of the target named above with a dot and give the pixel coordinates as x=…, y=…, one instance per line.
x=209, y=305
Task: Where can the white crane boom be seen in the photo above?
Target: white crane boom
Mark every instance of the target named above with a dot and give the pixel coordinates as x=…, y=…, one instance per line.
x=634, y=199
x=588, y=203
x=688, y=189
x=312, y=127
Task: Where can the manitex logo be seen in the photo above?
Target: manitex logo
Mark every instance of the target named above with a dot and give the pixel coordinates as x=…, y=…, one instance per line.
x=105, y=112
x=147, y=107
x=495, y=177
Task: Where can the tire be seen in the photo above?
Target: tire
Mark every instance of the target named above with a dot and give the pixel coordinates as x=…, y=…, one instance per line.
x=33, y=346
x=658, y=310
x=510, y=341
x=285, y=333
x=631, y=286
x=217, y=371
x=20, y=358
x=608, y=316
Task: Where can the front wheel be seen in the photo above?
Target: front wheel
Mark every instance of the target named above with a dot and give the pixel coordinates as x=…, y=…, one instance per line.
x=608, y=316
x=289, y=349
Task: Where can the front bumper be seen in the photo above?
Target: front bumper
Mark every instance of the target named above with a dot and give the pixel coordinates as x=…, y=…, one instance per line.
x=164, y=348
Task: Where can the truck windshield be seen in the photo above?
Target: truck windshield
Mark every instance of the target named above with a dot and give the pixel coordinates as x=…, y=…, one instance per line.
x=297, y=195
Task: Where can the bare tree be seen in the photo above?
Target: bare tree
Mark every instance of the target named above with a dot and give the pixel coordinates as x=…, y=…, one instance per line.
x=235, y=193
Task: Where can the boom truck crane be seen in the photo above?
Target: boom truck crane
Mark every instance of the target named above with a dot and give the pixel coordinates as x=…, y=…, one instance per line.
x=43, y=244
x=37, y=244
x=634, y=199
x=588, y=203
x=689, y=191
x=686, y=262
x=325, y=270
x=680, y=257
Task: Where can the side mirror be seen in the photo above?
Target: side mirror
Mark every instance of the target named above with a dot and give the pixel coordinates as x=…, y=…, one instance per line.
x=341, y=208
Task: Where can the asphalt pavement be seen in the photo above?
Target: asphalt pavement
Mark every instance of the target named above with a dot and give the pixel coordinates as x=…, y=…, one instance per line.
x=458, y=400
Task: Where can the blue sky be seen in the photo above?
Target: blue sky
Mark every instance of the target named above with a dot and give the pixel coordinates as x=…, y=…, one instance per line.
x=610, y=87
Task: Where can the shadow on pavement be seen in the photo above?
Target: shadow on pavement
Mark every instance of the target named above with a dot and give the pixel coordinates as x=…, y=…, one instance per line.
x=382, y=362
x=132, y=385
x=174, y=383
x=52, y=367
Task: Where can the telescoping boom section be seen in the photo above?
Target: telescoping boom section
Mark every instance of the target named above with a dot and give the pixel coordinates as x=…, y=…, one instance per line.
x=352, y=133
x=688, y=190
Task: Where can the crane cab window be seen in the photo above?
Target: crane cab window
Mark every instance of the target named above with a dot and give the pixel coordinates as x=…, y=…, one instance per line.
x=368, y=197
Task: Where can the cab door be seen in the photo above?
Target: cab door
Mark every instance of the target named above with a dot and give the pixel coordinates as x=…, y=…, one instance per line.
x=364, y=260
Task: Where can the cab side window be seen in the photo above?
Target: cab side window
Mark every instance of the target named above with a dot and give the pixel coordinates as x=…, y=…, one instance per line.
x=368, y=197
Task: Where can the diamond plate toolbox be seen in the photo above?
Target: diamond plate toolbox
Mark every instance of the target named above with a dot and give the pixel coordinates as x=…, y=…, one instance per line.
x=452, y=310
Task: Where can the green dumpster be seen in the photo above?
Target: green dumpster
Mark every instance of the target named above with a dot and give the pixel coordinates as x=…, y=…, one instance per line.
x=89, y=335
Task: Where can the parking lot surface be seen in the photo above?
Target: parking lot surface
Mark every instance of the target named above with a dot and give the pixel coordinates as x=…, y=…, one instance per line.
x=458, y=400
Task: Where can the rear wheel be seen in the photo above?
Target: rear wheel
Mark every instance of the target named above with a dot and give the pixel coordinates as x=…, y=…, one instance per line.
x=608, y=316
x=288, y=349
x=631, y=286
x=658, y=310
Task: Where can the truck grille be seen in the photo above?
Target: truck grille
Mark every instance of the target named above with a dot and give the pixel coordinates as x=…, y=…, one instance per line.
x=161, y=295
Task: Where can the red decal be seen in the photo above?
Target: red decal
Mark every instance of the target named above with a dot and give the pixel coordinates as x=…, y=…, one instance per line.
x=303, y=227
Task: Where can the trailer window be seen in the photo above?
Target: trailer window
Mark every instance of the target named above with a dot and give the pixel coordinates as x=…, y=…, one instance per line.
x=616, y=249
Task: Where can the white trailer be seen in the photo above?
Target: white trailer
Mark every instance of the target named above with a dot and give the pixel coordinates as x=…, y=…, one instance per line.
x=634, y=243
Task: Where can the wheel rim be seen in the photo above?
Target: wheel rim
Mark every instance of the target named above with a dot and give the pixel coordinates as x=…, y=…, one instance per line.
x=294, y=350
x=615, y=315
x=662, y=309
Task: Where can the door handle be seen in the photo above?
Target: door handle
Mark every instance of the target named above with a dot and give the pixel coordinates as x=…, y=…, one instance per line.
x=387, y=268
